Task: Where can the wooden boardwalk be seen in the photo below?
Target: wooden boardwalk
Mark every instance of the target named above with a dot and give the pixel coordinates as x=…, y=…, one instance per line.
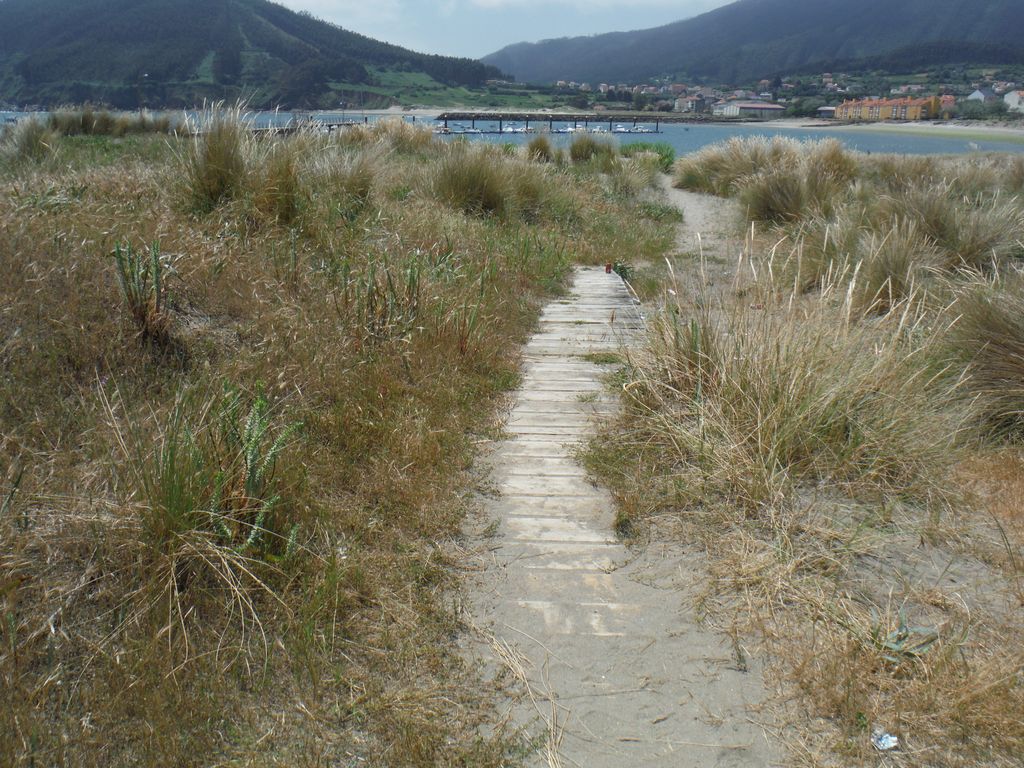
x=620, y=673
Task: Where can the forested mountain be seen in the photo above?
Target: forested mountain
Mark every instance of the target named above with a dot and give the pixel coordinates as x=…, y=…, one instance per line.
x=178, y=52
x=750, y=39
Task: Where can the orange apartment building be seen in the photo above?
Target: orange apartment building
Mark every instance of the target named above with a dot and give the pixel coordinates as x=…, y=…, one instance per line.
x=890, y=109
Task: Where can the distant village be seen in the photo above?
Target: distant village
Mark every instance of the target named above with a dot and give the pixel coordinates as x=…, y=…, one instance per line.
x=830, y=96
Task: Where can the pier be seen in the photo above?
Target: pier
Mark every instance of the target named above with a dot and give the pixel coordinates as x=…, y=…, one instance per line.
x=617, y=122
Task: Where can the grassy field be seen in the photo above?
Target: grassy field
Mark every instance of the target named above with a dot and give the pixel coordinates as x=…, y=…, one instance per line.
x=242, y=385
x=417, y=88
x=834, y=422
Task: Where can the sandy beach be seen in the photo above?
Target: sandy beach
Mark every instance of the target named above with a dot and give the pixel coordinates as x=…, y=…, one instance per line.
x=1004, y=131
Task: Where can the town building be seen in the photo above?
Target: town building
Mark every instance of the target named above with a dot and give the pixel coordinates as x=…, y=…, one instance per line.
x=890, y=109
x=755, y=109
x=1014, y=101
x=984, y=95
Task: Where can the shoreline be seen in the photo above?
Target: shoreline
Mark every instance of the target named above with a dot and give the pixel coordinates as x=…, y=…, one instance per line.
x=1003, y=131
x=961, y=130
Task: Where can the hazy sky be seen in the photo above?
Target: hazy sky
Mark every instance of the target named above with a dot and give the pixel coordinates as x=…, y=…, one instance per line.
x=478, y=27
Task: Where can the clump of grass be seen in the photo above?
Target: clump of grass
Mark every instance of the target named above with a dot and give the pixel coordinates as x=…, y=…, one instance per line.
x=769, y=402
x=776, y=195
x=540, y=150
x=988, y=340
x=214, y=168
x=278, y=193
x=473, y=182
x=211, y=510
x=718, y=168
x=664, y=151
x=141, y=277
x=29, y=140
x=87, y=122
x=384, y=302
x=394, y=133
x=352, y=180
x=531, y=191
x=970, y=235
x=585, y=149
x=627, y=178
x=892, y=269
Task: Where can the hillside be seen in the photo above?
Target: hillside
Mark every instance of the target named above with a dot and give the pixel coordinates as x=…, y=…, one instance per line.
x=750, y=39
x=179, y=52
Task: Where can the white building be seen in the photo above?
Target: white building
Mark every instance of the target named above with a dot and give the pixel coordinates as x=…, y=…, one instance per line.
x=1015, y=101
x=758, y=109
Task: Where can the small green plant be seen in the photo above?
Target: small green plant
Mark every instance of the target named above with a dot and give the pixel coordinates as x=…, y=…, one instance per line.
x=213, y=471
x=905, y=642
x=382, y=307
x=244, y=493
x=141, y=278
x=8, y=503
x=623, y=270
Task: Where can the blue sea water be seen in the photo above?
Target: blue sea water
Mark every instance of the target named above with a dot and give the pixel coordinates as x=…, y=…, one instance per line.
x=692, y=137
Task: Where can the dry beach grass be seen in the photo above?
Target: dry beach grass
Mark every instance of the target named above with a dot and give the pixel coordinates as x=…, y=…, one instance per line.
x=242, y=381
x=837, y=428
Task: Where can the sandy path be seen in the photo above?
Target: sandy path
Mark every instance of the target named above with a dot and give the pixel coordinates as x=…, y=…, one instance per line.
x=619, y=671
x=709, y=223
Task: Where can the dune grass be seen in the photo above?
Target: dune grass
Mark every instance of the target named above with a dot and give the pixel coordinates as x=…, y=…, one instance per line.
x=827, y=426
x=28, y=141
x=247, y=551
